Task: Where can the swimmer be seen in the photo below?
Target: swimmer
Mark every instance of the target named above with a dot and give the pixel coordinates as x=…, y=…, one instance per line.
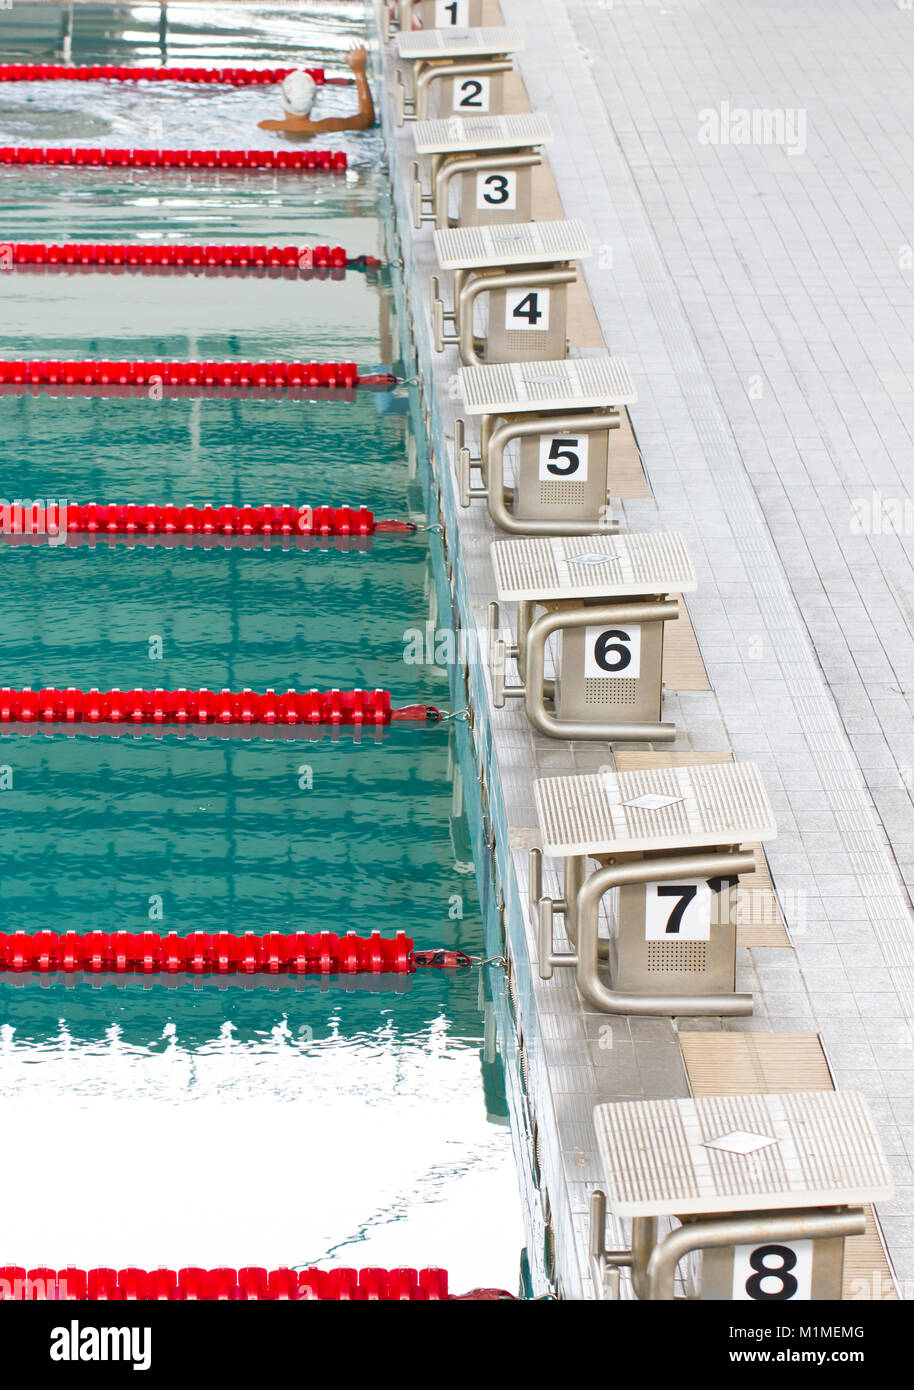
x=297, y=93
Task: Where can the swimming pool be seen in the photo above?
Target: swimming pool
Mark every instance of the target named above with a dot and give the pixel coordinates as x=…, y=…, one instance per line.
x=375, y=1113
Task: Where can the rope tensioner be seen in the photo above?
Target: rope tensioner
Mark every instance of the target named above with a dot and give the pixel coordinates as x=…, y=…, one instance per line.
x=180, y=708
x=110, y=72
x=219, y=953
x=139, y=256
x=287, y=375
x=133, y=519
x=330, y=1285
x=308, y=160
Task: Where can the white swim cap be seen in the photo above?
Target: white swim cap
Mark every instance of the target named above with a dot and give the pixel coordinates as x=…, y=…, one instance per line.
x=298, y=91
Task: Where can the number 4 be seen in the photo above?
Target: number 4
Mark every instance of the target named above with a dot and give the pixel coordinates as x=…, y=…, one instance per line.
x=529, y=310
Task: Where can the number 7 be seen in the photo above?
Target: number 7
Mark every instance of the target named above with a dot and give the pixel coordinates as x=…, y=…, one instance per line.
x=685, y=895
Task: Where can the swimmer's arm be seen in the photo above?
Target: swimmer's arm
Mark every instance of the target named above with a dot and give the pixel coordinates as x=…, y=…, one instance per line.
x=364, y=119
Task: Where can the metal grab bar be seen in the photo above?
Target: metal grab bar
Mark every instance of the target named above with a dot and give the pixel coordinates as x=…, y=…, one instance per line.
x=469, y=164
x=663, y=870
x=808, y=1224
x=424, y=80
x=661, y=610
x=484, y=284
x=496, y=494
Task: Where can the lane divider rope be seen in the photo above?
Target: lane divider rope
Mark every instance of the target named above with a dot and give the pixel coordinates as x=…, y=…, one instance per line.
x=116, y=72
x=140, y=256
x=244, y=375
x=169, y=519
x=192, y=1284
x=220, y=953
x=274, y=160
x=51, y=705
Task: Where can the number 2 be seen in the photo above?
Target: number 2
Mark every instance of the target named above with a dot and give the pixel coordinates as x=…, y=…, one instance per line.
x=472, y=94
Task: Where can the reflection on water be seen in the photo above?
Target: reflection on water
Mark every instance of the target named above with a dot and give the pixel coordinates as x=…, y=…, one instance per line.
x=235, y=1128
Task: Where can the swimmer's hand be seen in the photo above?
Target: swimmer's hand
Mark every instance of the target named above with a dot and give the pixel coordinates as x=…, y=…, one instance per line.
x=271, y=125
x=357, y=58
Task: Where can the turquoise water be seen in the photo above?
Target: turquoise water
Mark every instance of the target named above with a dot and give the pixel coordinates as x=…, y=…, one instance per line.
x=151, y=317
x=326, y=1125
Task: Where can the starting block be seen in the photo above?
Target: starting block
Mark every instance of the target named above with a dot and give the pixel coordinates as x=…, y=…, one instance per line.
x=524, y=268
x=668, y=839
x=767, y=1189
x=466, y=66
x=560, y=414
x=609, y=596
x=490, y=157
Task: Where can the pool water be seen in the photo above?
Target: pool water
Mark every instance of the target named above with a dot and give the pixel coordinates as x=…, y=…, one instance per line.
x=209, y=1122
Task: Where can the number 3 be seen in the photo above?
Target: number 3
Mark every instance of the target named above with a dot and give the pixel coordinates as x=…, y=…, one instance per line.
x=497, y=191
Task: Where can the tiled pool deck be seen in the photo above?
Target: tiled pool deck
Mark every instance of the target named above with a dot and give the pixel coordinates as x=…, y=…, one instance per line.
x=763, y=295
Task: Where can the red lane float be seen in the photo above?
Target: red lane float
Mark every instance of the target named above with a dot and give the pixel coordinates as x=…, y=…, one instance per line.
x=141, y=256
x=184, y=708
x=111, y=72
x=328, y=1285
x=243, y=375
x=296, y=160
x=219, y=953
x=129, y=519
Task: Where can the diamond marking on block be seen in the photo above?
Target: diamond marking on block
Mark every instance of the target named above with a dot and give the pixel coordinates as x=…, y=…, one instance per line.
x=740, y=1141
x=588, y=559
x=652, y=801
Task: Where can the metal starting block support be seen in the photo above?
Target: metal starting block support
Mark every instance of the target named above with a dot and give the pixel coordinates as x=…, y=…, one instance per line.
x=767, y=1188
x=491, y=157
x=669, y=840
x=467, y=65
x=524, y=269
x=561, y=414
x=609, y=597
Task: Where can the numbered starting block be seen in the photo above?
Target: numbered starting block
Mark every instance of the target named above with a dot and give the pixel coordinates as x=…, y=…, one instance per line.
x=489, y=159
x=767, y=1189
x=524, y=270
x=667, y=840
x=609, y=597
x=465, y=66
x=559, y=415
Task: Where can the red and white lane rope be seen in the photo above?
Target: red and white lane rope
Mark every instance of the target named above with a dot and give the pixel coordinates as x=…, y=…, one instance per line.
x=169, y=519
x=209, y=375
x=117, y=72
x=138, y=256
x=301, y=161
x=219, y=953
x=192, y=1284
x=177, y=708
